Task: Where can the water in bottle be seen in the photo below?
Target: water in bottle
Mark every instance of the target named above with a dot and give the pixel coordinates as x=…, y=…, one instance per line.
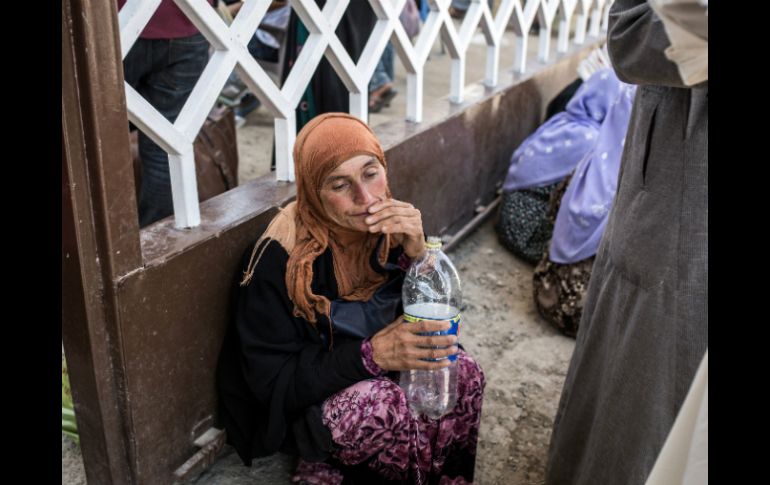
x=432, y=291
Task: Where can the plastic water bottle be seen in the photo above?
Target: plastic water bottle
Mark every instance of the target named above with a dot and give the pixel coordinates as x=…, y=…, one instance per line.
x=432, y=291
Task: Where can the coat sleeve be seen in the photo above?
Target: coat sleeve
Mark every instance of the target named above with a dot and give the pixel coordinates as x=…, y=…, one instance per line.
x=636, y=43
x=286, y=364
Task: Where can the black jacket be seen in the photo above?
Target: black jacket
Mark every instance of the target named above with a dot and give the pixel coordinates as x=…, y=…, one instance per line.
x=275, y=369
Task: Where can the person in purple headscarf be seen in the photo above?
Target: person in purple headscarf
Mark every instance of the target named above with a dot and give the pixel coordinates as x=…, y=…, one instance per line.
x=545, y=158
x=580, y=207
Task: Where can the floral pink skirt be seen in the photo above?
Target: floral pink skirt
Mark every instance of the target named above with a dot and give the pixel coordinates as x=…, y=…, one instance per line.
x=377, y=440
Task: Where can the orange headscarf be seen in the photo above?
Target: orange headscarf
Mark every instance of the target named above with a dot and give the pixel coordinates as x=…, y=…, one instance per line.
x=304, y=229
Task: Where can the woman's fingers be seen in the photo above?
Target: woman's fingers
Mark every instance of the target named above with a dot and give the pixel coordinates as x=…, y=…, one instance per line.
x=401, y=347
x=435, y=353
x=396, y=220
x=389, y=208
x=427, y=326
x=378, y=206
x=435, y=341
x=422, y=346
x=389, y=212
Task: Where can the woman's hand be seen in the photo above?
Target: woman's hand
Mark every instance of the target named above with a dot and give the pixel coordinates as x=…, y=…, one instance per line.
x=398, y=347
x=400, y=219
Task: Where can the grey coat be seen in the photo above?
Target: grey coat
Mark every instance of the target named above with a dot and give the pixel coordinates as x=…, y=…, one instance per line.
x=644, y=328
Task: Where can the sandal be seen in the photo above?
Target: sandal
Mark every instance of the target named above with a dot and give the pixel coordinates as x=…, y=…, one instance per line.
x=378, y=102
x=456, y=13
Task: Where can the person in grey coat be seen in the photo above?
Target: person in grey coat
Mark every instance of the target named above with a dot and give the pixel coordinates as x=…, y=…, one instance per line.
x=644, y=328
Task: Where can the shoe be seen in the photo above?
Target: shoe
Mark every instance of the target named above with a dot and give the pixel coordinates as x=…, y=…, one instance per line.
x=456, y=13
x=382, y=100
x=248, y=103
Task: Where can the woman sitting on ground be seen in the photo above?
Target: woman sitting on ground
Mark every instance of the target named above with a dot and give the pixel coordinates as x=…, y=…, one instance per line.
x=310, y=364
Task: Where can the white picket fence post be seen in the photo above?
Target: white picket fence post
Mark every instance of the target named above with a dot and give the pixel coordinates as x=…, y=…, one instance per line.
x=230, y=52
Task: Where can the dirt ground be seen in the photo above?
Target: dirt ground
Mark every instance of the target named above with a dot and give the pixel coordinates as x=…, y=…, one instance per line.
x=525, y=361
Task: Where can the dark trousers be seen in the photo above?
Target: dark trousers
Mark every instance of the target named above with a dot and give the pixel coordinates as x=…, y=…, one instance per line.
x=164, y=72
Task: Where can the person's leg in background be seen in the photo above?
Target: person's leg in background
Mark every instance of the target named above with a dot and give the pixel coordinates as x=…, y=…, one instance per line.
x=458, y=8
x=263, y=52
x=387, y=61
x=381, y=89
x=164, y=72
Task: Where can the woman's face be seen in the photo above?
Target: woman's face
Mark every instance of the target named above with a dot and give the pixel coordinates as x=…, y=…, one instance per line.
x=349, y=191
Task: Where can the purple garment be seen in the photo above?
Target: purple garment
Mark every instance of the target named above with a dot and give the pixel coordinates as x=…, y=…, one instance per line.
x=586, y=204
x=373, y=429
x=367, y=355
x=553, y=151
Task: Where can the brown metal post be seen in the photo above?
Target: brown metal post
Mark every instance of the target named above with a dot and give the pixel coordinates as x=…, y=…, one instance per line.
x=100, y=233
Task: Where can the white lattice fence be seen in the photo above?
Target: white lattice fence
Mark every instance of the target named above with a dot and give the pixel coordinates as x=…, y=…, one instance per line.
x=231, y=52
